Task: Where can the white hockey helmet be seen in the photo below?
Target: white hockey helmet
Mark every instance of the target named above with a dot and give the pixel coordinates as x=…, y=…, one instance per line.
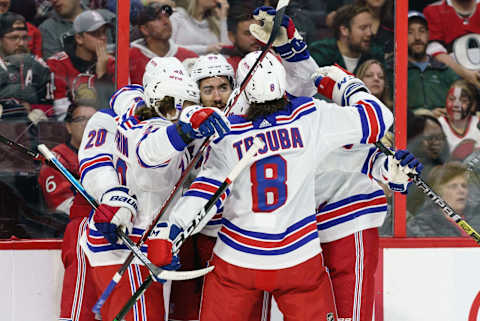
x=181, y=88
x=158, y=67
x=212, y=65
x=268, y=81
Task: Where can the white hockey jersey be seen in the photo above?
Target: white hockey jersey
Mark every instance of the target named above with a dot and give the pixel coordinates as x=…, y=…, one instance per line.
x=149, y=157
x=269, y=220
x=97, y=170
x=95, y=155
x=348, y=198
x=454, y=140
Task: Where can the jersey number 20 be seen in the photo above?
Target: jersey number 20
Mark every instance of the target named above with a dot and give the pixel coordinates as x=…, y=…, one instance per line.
x=269, y=183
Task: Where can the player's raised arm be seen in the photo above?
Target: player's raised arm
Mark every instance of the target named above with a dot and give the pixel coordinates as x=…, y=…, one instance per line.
x=289, y=45
x=363, y=119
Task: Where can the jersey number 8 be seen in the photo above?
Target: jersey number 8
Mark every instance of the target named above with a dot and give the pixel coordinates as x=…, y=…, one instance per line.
x=269, y=188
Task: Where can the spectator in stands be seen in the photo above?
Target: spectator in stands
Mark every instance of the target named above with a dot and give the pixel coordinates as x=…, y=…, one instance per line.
x=84, y=59
x=383, y=23
x=239, y=19
x=25, y=80
x=372, y=73
x=426, y=140
x=154, y=24
x=352, y=27
x=79, y=293
x=60, y=24
x=201, y=26
x=448, y=21
x=460, y=124
x=428, y=79
x=450, y=181
x=35, y=43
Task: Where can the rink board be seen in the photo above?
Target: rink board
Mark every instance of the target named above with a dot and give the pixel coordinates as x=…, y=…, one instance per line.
x=418, y=279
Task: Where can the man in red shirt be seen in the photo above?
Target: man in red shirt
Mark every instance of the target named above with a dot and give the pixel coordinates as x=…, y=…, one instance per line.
x=85, y=59
x=449, y=20
x=79, y=293
x=155, y=26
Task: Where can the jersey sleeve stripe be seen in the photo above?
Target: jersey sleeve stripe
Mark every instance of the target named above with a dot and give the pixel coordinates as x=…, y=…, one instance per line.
x=368, y=163
x=88, y=164
x=372, y=121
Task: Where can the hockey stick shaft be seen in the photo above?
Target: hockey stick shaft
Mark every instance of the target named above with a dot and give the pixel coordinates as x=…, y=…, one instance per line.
x=76, y=184
x=281, y=7
x=447, y=210
x=200, y=216
x=20, y=148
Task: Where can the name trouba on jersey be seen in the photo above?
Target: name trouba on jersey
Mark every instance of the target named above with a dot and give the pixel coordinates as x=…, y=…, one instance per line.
x=274, y=139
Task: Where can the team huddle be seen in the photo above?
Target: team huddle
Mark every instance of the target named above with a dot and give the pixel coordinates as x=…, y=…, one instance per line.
x=298, y=224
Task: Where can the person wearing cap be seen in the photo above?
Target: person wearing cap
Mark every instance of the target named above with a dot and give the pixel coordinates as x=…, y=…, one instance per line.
x=84, y=53
x=352, y=43
x=35, y=43
x=428, y=79
x=25, y=80
x=60, y=24
x=451, y=23
x=154, y=24
x=79, y=292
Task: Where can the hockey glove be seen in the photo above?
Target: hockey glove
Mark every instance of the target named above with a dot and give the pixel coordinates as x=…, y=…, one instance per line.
x=337, y=84
x=398, y=168
x=159, y=245
x=288, y=43
x=117, y=210
x=198, y=122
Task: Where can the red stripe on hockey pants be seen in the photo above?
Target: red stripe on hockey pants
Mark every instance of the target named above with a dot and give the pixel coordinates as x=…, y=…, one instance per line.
x=150, y=306
x=352, y=262
x=79, y=292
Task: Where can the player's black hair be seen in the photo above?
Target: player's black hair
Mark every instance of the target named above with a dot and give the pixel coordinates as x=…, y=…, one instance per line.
x=264, y=109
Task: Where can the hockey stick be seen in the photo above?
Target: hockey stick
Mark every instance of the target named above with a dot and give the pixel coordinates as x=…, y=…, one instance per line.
x=447, y=210
x=281, y=7
x=200, y=216
x=160, y=273
x=20, y=148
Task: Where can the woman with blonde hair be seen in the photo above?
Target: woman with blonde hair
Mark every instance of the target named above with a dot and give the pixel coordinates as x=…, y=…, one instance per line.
x=201, y=25
x=372, y=73
x=451, y=182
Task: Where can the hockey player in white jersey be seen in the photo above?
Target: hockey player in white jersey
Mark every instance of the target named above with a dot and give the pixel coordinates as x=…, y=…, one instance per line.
x=269, y=240
x=139, y=144
x=351, y=205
